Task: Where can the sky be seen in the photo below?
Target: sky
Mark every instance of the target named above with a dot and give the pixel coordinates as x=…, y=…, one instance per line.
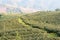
x=33, y=4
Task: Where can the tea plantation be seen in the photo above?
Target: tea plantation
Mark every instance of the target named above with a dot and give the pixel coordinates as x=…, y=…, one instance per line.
x=35, y=26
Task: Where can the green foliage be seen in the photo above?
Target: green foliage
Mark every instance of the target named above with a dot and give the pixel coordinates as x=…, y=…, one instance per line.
x=0, y=15
x=57, y=9
x=36, y=26
x=18, y=36
x=48, y=21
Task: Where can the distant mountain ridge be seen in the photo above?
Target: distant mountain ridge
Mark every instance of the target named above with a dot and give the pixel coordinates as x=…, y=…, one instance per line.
x=8, y=9
x=13, y=9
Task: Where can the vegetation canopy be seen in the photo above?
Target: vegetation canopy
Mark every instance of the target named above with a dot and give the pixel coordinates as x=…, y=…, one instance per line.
x=41, y=25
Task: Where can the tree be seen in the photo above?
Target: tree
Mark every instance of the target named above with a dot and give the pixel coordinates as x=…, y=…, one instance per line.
x=0, y=15
x=57, y=9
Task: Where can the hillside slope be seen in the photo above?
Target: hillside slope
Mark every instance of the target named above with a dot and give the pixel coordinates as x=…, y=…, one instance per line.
x=37, y=26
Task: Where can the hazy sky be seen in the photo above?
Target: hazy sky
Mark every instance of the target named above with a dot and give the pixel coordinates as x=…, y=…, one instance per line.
x=34, y=4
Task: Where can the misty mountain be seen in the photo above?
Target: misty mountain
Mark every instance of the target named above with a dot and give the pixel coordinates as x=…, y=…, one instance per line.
x=13, y=10
x=9, y=9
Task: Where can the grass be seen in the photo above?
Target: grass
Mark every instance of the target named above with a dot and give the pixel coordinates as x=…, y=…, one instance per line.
x=21, y=21
x=36, y=26
x=17, y=36
x=52, y=35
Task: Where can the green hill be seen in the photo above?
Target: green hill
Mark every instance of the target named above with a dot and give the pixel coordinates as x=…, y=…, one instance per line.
x=35, y=26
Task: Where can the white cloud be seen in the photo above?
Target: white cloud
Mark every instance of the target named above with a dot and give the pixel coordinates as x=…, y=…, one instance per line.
x=0, y=1
x=8, y=5
x=16, y=0
x=43, y=4
x=30, y=3
x=10, y=2
x=2, y=9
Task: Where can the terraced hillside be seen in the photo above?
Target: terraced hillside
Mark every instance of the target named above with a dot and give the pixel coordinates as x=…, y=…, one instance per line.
x=36, y=26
